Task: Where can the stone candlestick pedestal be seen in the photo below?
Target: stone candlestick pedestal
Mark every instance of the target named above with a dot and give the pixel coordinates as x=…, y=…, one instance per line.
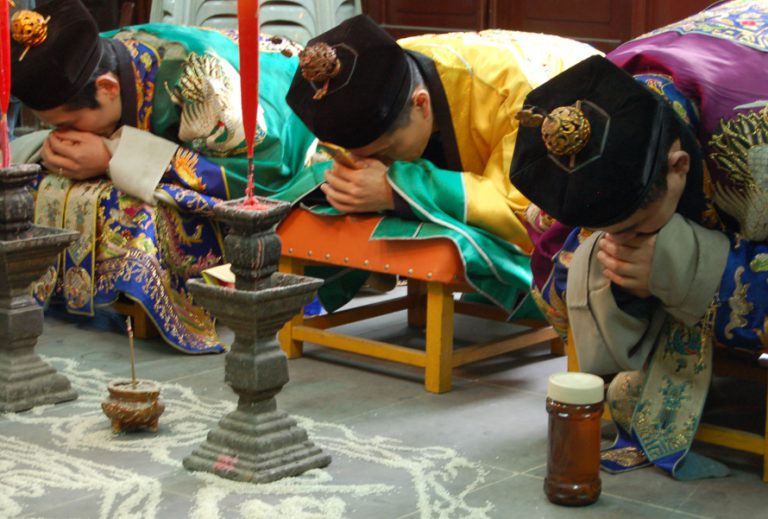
x=26, y=251
x=256, y=442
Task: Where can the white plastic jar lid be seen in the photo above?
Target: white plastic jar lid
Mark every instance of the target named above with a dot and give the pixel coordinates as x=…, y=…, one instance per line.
x=575, y=388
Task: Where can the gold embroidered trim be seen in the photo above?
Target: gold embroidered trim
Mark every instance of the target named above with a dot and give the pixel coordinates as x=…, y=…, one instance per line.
x=626, y=457
x=738, y=304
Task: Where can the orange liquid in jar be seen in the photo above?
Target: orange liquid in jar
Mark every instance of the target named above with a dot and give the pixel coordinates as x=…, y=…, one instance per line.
x=573, y=461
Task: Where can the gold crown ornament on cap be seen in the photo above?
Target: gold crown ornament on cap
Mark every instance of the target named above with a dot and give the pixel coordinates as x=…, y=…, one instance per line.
x=565, y=130
x=29, y=28
x=319, y=63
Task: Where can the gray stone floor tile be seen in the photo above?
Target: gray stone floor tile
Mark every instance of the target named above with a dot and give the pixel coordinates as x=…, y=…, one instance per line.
x=523, y=497
x=319, y=389
x=647, y=485
x=183, y=367
x=340, y=391
x=502, y=428
x=740, y=495
x=527, y=369
x=84, y=506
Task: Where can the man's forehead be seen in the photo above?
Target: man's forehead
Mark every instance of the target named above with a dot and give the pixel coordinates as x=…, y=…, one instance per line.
x=621, y=227
x=377, y=146
x=58, y=116
x=54, y=115
x=635, y=220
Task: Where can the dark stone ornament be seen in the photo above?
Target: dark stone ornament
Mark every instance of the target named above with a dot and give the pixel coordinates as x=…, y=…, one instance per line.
x=256, y=442
x=26, y=252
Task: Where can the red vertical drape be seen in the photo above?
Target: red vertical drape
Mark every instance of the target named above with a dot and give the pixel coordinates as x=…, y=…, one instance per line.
x=248, y=26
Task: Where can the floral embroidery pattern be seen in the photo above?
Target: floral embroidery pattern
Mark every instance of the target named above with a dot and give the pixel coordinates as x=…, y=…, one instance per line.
x=740, y=21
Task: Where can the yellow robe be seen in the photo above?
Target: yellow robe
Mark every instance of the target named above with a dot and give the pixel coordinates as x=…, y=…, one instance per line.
x=486, y=77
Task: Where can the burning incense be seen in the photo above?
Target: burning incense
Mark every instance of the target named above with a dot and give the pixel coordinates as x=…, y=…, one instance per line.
x=130, y=347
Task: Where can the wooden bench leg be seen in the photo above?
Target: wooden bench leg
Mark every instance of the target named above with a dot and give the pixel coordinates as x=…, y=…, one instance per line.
x=439, y=365
x=417, y=311
x=292, y=348
x=557, y=347
x=570, y=350
x=143, y=327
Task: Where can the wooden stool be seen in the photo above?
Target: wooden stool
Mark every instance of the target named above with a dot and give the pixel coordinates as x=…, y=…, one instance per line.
x=434, y=271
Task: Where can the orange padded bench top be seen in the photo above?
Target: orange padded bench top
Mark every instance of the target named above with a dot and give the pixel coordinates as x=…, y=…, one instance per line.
x=343, y=241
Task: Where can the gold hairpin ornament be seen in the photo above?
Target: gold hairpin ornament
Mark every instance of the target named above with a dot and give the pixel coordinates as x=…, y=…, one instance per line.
x=529, y=117
x=565, y=130
x=29, y=28
x=319, y=64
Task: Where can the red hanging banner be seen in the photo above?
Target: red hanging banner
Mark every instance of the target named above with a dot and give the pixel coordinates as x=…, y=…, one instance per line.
x=248, y=26
x=5, y=79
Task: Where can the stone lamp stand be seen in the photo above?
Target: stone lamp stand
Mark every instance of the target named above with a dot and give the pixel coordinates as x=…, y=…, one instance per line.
x=256, y=442
x=26, y=251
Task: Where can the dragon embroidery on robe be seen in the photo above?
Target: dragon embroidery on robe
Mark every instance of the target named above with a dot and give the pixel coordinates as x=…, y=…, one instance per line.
x=208, y=93
x=741, y=147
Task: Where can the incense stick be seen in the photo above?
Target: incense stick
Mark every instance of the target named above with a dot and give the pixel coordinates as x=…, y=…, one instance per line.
x=130, y=346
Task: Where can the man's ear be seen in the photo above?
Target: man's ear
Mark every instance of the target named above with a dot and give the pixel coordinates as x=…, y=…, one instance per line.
x=421, y=101
x=109, y=84
x=678, y=160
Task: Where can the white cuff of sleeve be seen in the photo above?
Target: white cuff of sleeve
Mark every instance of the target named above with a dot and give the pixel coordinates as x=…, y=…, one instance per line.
x=138, y=162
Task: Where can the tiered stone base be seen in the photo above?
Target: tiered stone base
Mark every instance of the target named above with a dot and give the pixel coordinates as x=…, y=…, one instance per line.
x=26, y=381
x=258, y=446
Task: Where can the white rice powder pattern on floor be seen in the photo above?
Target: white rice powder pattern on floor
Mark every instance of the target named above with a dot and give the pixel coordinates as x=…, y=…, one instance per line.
x=29, y=471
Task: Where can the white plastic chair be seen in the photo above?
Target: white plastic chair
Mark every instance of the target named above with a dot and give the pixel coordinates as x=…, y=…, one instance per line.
x=295, y=19
x=169, y=11
x=298, y=20
x=221, y=14
x=333, y=12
